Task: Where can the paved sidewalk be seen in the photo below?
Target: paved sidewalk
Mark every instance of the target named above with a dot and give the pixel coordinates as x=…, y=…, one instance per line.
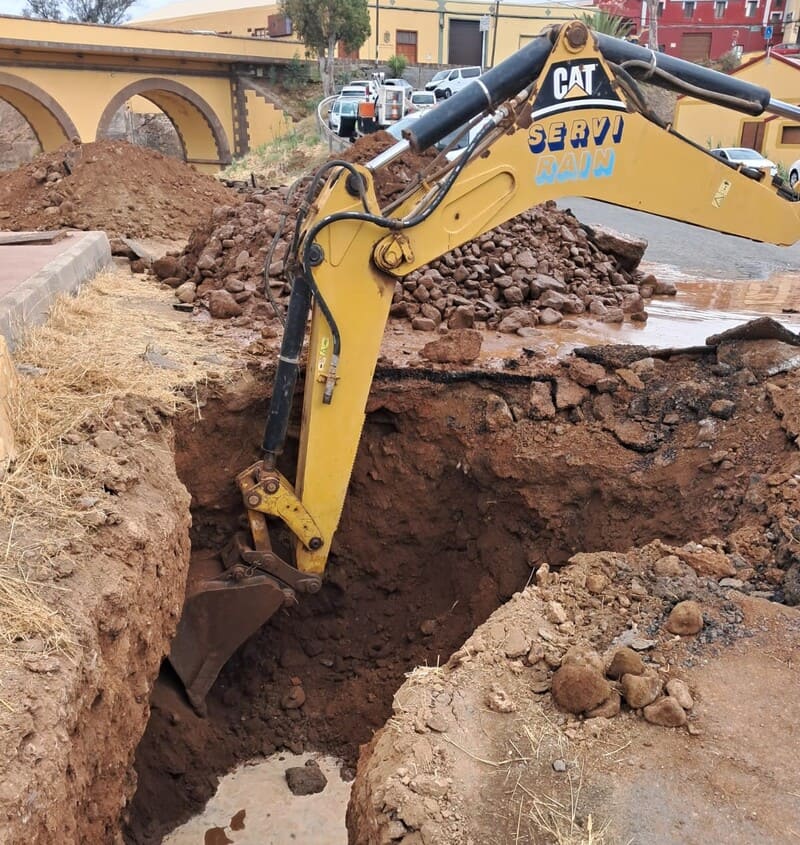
x=32, y=276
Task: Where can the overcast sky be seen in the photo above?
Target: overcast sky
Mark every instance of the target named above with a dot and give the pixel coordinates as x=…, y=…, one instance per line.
x=14, y=7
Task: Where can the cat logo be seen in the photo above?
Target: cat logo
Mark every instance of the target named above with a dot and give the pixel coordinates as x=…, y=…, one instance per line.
x=573, y=81
x=575, y=85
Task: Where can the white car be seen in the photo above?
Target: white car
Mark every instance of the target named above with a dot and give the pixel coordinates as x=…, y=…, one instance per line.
x=422, y=100
x=747, y=157
x=794, y=173
x=370, y=87
x=400, y=83
x=343, y=116
x=356, y=92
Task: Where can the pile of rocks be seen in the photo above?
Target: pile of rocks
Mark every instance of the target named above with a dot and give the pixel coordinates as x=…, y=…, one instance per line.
x=584, y=684
x=538, y=268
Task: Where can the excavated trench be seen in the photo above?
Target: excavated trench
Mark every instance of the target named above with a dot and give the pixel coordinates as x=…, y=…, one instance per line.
x=463, y=483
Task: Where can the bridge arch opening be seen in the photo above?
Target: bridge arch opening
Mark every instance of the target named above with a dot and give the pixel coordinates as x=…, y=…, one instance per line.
x=200, y=133
x=48, y=124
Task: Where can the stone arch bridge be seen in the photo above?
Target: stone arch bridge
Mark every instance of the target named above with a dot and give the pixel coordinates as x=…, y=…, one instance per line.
x=68, y=80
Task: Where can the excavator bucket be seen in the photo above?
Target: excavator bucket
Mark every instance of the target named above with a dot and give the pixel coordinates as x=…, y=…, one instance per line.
x=223, y=608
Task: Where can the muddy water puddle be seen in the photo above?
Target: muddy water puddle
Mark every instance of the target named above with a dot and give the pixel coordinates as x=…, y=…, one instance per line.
x=253, y=806
x=701, y=308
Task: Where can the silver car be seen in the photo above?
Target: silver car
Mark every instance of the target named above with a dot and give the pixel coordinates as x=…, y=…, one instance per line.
x=747, y=157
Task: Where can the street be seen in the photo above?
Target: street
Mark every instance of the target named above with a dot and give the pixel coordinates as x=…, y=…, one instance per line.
x=690, y=249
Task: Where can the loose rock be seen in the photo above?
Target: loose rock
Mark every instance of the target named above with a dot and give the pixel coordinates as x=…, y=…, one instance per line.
x=685, y=619
x=306, y=780
x=678, y=690
x=578, y=688
x=625, y=661
x=640, y=690
x=665, y=712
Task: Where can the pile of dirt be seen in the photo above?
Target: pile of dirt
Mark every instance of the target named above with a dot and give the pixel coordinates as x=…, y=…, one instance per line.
x=483, y=732
x=466, y=482
x=121, y=188
x=536, y=269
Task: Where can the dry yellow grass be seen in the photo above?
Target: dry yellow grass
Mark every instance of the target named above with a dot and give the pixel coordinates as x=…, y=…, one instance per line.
x=109, y=343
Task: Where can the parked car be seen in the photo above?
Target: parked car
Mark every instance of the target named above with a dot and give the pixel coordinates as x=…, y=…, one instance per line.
x=400, y=83
x=455, y=80
x=438, y=77
x=343, y=116
x=355, y=92
x=370, y=86
x=747, y=157
x=794, y=173
x=422, y=100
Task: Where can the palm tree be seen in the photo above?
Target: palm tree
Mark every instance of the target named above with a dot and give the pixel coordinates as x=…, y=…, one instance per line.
x=607, y=24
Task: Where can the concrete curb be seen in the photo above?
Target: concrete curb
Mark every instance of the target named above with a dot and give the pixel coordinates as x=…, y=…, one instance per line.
x=28, y=303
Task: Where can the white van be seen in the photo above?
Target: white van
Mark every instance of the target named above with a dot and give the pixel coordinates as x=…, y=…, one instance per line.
x=457, y=79
x=438, y=77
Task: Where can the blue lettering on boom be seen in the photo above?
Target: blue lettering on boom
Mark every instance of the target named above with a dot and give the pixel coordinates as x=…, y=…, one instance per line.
x=584, y=147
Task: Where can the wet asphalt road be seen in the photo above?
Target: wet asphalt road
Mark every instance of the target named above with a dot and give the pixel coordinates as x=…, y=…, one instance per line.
x=692, y=250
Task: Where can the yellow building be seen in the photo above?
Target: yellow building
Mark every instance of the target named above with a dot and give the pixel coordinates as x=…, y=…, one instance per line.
x=776, y=137
x=456, y=32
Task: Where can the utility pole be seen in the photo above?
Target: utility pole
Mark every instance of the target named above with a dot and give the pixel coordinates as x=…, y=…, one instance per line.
x=494, y=34
x=377, y=29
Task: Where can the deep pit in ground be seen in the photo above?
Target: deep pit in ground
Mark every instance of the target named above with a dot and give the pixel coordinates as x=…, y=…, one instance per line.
x=463, y=483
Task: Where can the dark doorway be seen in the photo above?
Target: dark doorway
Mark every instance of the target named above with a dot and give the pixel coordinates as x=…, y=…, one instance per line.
x=464, y=44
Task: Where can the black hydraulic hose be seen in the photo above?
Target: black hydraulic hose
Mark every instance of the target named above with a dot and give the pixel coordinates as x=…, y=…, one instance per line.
x=518, y=71
x=384, y=222
x=280, y=404
x=751, y=99
x=484, y=94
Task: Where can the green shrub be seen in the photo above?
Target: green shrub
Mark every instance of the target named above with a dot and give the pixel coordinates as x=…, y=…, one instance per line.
x=397, y=64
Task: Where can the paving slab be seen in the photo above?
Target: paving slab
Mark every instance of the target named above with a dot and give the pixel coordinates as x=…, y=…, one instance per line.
x=33, y=275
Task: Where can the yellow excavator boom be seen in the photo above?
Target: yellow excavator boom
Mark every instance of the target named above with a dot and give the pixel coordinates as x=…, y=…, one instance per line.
x=561, y=118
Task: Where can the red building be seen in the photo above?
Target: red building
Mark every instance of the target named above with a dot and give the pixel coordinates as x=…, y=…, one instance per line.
x=699, y=30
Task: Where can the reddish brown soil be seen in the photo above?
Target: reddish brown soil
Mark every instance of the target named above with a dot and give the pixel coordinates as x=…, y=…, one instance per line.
x=459, y=488
x=121, y=188
x=70, y=720
x=395, y=177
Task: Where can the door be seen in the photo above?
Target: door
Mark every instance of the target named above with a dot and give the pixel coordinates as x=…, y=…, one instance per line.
x=406, y=45
x=696, y=46
x=464, y=43
x=753, y=134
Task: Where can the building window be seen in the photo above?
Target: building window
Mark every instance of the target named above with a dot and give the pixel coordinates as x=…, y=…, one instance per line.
x=751, y=8
x=790, y=135
x=719, y=8
x=688, y=9
x=660, y=11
